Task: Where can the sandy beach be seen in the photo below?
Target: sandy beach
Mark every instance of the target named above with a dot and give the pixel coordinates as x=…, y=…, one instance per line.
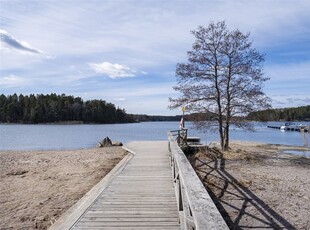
x=253, y=185
x=256, y=187
x=38, y=186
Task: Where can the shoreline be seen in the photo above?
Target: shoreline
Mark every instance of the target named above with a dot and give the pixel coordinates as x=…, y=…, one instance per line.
x=38, y=186
x=280, y=147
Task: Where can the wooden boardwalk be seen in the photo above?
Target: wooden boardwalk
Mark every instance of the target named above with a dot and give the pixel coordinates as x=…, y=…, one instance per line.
x=142, y=196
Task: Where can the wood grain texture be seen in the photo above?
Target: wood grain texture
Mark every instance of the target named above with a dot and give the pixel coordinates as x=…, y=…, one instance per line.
x=141, y=197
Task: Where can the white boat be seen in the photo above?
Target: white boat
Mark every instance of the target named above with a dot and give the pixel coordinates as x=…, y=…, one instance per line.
x=291, y=126
x=283, y=127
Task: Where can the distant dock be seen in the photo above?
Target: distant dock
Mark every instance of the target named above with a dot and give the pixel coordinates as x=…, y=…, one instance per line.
x=290, y=127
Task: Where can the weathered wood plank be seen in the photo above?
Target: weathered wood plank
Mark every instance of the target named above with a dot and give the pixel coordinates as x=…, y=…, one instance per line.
x=130, y=212
x=129, y=228
x=83, y=223
x=139, y=202
x=130, y=219
x=167, y=210
x=141, y=195
x=128, y=215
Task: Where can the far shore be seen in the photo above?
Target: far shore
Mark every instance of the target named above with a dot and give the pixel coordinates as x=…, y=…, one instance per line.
x=37, y=187
x=62, y=123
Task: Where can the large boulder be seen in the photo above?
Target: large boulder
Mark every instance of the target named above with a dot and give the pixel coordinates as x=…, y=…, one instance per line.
x=106, y=142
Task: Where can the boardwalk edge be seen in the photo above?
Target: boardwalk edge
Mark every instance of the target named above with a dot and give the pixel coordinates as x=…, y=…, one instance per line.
x=73, y=214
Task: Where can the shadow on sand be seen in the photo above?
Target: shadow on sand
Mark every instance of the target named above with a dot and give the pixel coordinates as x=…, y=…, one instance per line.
x=239, y=206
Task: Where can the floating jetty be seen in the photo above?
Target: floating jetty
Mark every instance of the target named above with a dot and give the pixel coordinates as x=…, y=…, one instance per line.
x=291, y=127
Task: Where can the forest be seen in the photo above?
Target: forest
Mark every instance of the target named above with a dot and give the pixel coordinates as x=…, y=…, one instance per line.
x=286, y=114
x=151, y=118
x=52, y=108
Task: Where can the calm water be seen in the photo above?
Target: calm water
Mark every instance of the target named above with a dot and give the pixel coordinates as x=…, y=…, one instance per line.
x=39, y=137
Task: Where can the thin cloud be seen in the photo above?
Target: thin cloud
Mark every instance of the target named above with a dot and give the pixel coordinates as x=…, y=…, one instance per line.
x=11, y=43
x=120, y=99
x=11, y=81
x=293, y=100
x=113, y=70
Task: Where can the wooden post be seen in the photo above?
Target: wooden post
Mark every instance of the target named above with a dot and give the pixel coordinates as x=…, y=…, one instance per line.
x=183, y=110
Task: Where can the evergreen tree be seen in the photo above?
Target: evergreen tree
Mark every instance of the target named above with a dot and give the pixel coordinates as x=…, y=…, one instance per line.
x=57, y=108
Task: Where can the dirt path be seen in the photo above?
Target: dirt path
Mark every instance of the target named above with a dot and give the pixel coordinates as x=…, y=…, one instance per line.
x=38, y=186
x=256, y=187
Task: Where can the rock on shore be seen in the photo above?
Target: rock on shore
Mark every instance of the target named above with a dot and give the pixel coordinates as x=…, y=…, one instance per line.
x=106, y=142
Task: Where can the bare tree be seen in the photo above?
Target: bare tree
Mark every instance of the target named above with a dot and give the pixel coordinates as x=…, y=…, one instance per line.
x=223, y=75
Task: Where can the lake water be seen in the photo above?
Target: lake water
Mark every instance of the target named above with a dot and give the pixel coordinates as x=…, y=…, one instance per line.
x=48, y=137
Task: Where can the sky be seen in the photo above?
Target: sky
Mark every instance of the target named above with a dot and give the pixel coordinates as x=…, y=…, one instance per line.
x=126, y=51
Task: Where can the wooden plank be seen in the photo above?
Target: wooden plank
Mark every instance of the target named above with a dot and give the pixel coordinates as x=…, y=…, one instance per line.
x=138, y=202
x=130, y=212
x=142, y=209
x=139, y=222
x=130, y=219
x=130, y=215
x=113, y=195
x=129, y=228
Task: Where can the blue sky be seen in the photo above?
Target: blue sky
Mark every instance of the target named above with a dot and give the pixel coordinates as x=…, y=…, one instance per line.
x=125, y=52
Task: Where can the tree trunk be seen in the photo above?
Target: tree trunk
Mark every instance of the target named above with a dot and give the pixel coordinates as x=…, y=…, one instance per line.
x=218, y=100
x=226, y=141
x=228, y=108
x=221, y=132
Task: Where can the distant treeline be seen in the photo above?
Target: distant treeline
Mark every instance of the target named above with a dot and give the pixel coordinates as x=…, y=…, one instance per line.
x=187, y=117
x=286, y=114
x=58, y=108
x=146, y=118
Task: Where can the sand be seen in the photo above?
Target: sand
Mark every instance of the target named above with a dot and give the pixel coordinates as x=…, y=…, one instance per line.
x=256, y=187
x=253, y=185
x=38, y=186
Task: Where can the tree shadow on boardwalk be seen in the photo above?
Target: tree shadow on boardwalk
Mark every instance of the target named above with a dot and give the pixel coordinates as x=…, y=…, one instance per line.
x=239, y=206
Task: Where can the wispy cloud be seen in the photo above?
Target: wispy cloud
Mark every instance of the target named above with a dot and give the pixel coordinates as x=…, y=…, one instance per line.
x=11, y=81
x=9, y=42
x=113, y=70
x=291, y=100
x=120, y=99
